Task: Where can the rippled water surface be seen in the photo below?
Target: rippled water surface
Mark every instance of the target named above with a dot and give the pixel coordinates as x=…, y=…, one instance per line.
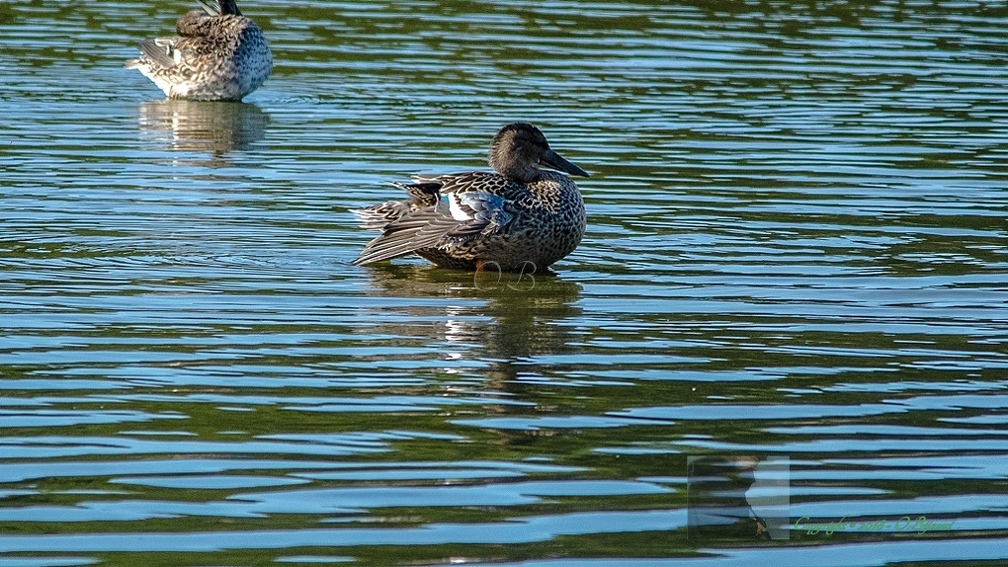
x=796, y=271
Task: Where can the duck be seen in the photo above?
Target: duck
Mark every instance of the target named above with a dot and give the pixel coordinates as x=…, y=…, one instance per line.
x=218, y=55
x=517, y=218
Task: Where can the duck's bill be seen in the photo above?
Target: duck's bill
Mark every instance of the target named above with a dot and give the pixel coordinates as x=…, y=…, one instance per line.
x=553, y=159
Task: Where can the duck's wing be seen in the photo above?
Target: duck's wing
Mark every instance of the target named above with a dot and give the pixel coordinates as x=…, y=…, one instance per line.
x=421, y=194
x=475, y=181
x=462, y=213
x=160, y=52
x=377, y=217
x=178, y=55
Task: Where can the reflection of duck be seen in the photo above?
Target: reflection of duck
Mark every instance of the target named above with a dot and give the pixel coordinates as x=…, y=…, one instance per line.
x=506, y=319
x=218, y=55
x=214, y=127
x=516, y=218
x=491, y=335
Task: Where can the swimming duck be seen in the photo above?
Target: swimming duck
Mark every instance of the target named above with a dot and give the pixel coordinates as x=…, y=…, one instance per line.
x=517, y=218
x=219, y=54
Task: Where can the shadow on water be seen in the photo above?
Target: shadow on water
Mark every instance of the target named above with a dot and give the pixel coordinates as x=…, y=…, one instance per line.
x=216, y=128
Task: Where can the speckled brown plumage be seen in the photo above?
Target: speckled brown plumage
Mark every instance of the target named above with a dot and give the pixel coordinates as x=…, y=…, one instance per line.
x=516, y=218
x=219, y=54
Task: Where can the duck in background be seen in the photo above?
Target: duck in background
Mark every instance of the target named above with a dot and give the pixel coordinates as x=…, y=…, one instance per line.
x=219, y=54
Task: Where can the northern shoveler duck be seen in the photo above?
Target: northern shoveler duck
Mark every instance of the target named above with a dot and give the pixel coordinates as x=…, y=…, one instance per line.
x=516, y=218
x=219, y=54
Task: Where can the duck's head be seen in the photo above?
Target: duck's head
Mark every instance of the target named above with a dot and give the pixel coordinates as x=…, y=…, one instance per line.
x=518, y=150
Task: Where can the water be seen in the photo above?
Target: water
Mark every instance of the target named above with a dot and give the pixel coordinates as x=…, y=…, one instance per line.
x=796, y=257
